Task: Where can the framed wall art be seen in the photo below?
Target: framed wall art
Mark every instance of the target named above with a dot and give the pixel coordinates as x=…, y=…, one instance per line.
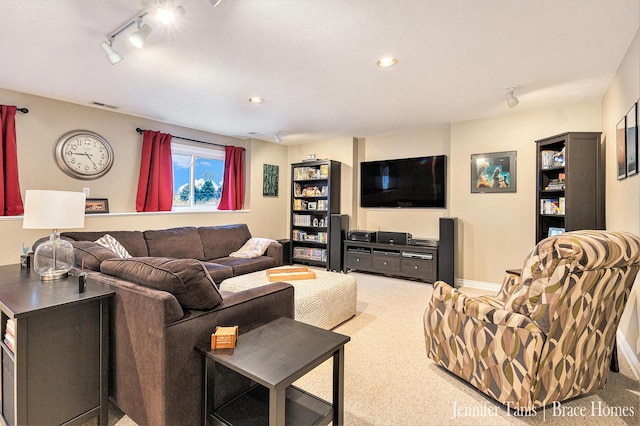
x=270, y=180
x=621, y=157
x=632, y=141
x=493, y=172
x=96, y=205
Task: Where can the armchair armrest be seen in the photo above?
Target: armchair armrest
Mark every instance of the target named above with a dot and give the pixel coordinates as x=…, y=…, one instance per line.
x=484, y=345
x=509, y=284
x=479, y=310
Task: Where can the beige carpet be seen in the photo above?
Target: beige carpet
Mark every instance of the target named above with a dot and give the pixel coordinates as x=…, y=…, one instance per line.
x=390, y=381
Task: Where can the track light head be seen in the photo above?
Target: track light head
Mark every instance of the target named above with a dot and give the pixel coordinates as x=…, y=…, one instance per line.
x=511, y=99
x=113, y=56
x=139, y=37
x=167, y=12
x=277, y=137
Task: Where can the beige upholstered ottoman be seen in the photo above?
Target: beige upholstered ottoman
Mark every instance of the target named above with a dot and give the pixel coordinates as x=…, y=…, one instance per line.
x=325, y=301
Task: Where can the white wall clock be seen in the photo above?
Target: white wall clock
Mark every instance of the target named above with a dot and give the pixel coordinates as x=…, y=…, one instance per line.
x=83, y=154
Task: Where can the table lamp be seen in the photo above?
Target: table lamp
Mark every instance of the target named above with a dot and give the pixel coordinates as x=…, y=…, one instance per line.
x=54, y=210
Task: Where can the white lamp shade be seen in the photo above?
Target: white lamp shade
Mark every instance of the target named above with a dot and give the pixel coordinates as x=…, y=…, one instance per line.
x=53, y=209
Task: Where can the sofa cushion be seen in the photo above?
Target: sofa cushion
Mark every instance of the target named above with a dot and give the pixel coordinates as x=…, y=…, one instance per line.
x=218, y=272
x=91, y=254
x=133, y=241
x=187, y=279
x=180, y=243
x=243, y=266
x=254, y=247
x=108, y=242
x=220, y=241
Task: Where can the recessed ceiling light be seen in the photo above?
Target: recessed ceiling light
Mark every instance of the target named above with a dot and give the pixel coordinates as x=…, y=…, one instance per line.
x=387, y=61
x=256, y=100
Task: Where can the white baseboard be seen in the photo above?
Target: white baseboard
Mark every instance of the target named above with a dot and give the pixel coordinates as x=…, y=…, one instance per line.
x=625, y=349
x=480, y=285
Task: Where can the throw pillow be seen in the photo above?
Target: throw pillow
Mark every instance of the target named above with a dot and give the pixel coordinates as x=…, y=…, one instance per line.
x=107, y=241
x=187, y=279
x=91, y=254
x=254, y=247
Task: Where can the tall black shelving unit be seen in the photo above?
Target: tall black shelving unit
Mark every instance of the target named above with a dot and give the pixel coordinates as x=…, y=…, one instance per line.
x=570, y=185
x=315, y=195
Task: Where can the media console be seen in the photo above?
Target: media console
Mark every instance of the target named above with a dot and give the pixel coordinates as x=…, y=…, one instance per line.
x=407, y=261
x=425, y=260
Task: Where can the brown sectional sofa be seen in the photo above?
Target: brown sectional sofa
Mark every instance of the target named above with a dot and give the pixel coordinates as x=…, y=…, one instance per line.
x=155, y=374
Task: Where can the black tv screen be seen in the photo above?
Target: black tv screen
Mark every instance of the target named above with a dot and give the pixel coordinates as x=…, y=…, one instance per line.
x=404, y=183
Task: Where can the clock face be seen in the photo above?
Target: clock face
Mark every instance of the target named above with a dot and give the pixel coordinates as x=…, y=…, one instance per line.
x=84, y=154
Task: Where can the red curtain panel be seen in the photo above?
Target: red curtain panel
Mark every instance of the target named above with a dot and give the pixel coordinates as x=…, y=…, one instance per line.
x=233, y=185
x=10, y=198
x=155, y=185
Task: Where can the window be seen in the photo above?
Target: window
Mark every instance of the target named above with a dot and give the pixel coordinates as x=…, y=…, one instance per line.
x=197, y=176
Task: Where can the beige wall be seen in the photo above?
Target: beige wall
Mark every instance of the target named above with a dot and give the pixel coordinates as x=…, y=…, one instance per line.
x=47, y=120
x=498, y=230
x=623, y=197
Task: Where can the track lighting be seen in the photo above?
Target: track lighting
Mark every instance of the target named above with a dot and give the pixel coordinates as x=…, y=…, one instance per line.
x=138, y=38
x=167, y=11
x=277, y=137
x=511, y=99
x=114, y=57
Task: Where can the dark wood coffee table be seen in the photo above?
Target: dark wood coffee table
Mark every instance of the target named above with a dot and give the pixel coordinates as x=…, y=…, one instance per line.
x=274, y=356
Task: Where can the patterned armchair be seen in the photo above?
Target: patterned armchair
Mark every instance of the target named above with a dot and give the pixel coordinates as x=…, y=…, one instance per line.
x=548, y=335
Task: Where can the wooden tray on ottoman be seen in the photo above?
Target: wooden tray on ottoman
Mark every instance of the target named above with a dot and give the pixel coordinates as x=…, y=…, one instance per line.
x=288, y=274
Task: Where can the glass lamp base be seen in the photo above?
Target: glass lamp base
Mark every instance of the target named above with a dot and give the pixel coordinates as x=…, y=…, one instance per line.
x=52, y=275
x=53, y=259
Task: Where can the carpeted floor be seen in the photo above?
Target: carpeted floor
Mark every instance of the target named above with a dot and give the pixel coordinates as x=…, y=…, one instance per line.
x=390, y=381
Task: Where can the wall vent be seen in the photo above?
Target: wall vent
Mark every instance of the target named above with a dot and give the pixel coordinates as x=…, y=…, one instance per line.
x=100, y=104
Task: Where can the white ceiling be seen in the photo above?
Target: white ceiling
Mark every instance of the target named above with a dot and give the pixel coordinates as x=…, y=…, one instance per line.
x=313, y=61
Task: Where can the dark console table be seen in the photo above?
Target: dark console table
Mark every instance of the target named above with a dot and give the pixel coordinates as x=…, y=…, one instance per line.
x=406, y=261
x=55, y=372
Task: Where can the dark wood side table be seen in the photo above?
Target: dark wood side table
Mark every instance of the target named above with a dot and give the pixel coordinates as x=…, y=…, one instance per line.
x=274, y=356
x=56, y=372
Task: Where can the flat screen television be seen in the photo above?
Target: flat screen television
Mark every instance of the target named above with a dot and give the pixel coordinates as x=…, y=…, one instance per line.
x=404, y=183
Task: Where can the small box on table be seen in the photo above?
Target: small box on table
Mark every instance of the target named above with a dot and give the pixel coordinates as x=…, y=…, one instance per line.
x=224, y=337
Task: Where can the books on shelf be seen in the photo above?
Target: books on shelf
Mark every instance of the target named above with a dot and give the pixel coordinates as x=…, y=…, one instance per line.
x=555, y=184
x=310, y=253
x=551, y=159
x=300, y=190
x=310, y=173
x=302, y=220
x=552, y=206
x=10, y=335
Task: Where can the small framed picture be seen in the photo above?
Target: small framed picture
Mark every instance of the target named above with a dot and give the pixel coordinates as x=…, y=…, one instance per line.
x=621, y=157
x=632, y=141
x=96, y=205
x=270, y=178
x=555, y=231
x=493, y=172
